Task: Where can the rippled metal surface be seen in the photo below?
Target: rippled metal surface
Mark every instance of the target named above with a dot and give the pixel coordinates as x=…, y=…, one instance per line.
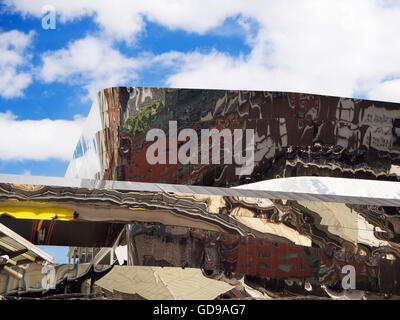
x=296, y=134
x=260, y=237
x=332, y=224
x=222, y=252
x=297, y=236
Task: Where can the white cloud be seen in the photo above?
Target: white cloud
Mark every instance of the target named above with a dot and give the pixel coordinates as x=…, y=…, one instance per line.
x=38, y=139
x=123, y=19
x=387, y=91
x=336, y=47
x=13, y=60
x=90, y=62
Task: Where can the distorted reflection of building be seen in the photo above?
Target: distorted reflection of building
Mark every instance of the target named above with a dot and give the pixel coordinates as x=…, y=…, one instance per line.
x=320, y=192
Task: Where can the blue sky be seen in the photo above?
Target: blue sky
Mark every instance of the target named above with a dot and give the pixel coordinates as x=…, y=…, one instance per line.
x=48, y=78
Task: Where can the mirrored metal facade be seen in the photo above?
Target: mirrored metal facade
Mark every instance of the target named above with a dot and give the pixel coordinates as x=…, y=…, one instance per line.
x=221, y=211
x=295, y=134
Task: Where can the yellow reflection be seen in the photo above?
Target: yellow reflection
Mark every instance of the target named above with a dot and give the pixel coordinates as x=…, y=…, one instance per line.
x=38, y=213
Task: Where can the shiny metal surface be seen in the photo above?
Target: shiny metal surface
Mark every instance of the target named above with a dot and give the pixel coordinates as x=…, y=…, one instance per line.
x=326, y=224
x=352, y=191
x=335, y=203
x=296, y=134
x=225, y=253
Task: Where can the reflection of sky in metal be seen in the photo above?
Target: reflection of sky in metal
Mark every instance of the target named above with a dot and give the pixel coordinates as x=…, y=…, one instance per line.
x=343, y=187
x=59, y=253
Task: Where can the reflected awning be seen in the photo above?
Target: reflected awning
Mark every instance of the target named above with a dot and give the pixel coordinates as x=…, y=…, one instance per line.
x=16, y=251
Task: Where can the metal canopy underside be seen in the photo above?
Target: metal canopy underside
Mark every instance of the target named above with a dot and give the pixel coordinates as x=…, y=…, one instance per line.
x=19, y=250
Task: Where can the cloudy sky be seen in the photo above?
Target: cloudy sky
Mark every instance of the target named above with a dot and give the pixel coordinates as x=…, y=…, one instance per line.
x=48, y=77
